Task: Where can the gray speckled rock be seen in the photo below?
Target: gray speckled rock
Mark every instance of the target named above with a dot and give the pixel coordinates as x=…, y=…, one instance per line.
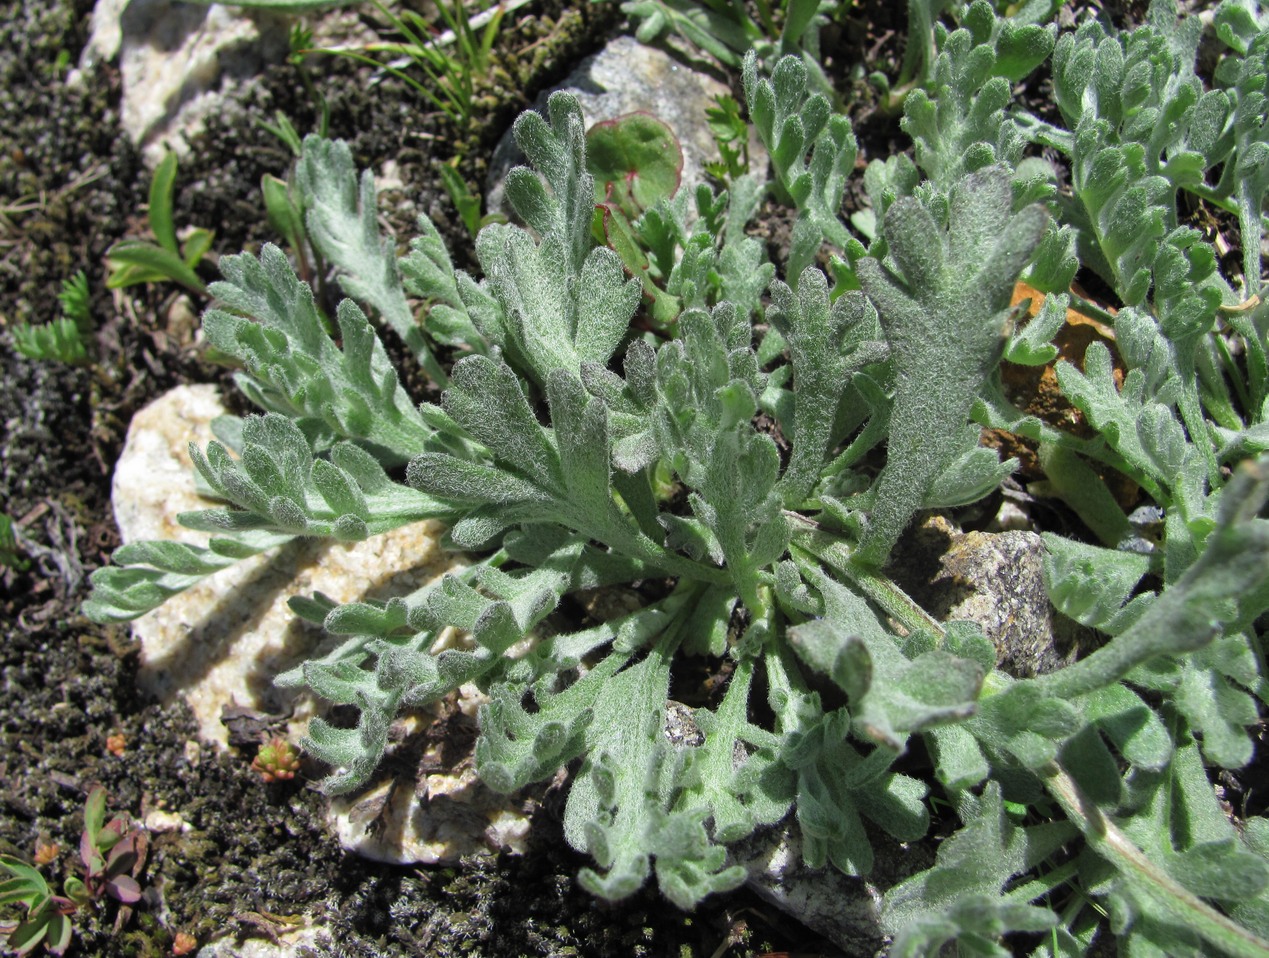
x=994, y=579
x=627, y=77
x=845, y=910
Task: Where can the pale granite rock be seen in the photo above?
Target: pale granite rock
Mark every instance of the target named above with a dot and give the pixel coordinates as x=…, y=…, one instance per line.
x=221, y=643
x=177, y=62
x=440, y=811
x=294, y=943
x=160, y=822
x=436, y=810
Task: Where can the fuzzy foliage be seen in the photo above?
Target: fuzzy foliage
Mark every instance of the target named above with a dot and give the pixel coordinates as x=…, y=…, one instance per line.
x=656, y=409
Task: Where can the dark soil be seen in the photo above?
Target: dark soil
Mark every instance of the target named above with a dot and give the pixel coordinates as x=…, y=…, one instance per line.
x=257, y=857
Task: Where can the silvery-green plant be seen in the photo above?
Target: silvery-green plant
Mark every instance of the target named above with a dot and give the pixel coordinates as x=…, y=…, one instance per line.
x=737, y=457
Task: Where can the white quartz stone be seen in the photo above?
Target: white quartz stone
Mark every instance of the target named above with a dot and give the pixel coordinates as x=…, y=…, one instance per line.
x=177, y=62
x=296, y=943
x=222, y=642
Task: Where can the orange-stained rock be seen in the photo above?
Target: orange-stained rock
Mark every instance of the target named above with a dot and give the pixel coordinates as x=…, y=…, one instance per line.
x=1034, y=390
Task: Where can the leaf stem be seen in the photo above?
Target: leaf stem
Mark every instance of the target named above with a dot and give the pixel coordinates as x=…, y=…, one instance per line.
x=1045, y=884
x=813, y=542
x=1182, y=905
x=636, y=545
x=1090, y=309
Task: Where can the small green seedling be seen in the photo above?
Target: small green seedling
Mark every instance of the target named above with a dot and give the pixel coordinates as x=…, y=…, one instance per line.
x=453, y=65
x=135, y=261
x=731, y=136
x=465, y=201
x=9, y=555
x=284, y=207
x=636, y=161
x=277, y=761
x=64, y=339
x=111, y=854
x=47, y=918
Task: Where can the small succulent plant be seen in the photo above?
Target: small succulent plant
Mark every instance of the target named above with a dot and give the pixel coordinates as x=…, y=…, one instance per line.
x=277, y=761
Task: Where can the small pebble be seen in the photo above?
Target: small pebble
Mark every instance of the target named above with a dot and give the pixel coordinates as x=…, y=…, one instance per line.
x=158, y=822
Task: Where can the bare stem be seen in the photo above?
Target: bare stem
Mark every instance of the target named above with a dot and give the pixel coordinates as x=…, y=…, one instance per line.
x=1181, y=905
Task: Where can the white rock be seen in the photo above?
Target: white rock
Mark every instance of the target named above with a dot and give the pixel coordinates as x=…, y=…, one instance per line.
x=289, y=944
x=221, y=643
x=158, y=822
x=442, y=812
x=177, y=60
x=396, y=825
